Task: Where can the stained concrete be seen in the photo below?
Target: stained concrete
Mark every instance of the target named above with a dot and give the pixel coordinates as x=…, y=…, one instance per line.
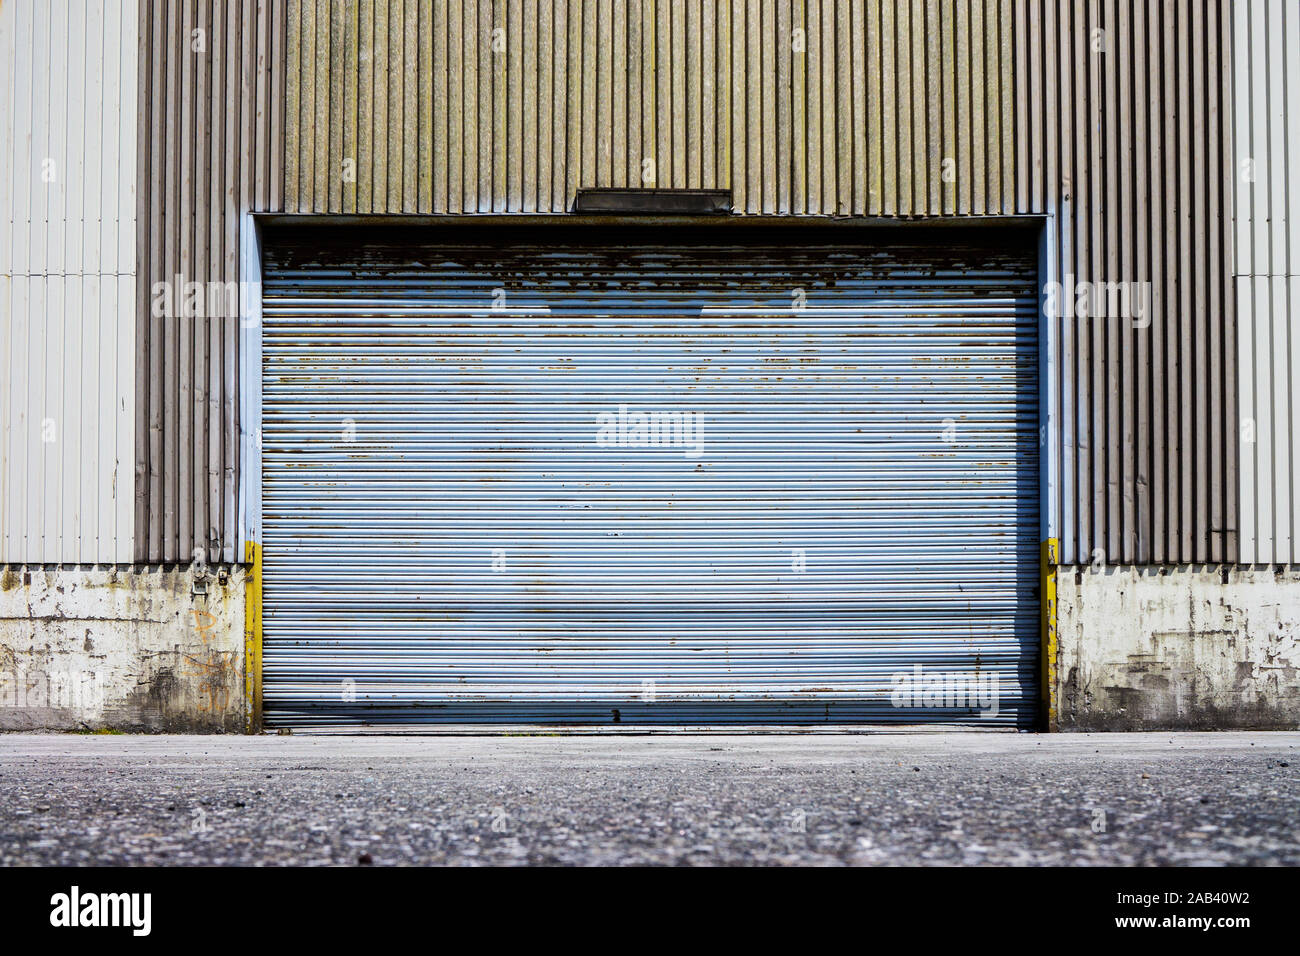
x=1182, y=648
x=155, y=649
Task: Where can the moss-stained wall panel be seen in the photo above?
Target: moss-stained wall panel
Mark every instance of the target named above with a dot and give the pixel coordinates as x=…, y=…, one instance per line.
x=803, y=107
x=1123, y=115
x=215, y=144
x=1110, y=117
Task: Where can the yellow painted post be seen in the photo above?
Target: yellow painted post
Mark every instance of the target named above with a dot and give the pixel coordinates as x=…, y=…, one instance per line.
x=1049, y=559
x=253, y=637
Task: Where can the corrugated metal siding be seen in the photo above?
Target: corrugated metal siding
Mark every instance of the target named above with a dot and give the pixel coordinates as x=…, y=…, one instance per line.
x=797, y=106
x=1129, y=149
x=211, y=145
x=67, y=279
x=1266, y=51
x=872, y=405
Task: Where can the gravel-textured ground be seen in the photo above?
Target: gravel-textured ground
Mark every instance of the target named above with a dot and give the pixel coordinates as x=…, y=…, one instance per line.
x=970, y=798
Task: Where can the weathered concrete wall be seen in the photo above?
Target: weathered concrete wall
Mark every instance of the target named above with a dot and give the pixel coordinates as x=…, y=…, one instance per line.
x=1185, y=648
x=132, y=649
x=1140, y=649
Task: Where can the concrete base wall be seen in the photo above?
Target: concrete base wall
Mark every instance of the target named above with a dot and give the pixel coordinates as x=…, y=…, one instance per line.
x=1185, y=648
x=163, y=649
x=123, y=648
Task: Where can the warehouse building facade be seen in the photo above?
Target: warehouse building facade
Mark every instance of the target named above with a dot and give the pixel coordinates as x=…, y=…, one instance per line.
x=666, y=362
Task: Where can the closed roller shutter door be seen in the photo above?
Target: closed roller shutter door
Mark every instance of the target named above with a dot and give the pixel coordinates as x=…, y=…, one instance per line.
x=461, y=521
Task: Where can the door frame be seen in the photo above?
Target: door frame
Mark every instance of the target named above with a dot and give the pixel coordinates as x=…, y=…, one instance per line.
x=1032, y=229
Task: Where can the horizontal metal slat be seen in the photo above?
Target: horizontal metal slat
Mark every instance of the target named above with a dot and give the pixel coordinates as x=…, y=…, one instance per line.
x=470, y=429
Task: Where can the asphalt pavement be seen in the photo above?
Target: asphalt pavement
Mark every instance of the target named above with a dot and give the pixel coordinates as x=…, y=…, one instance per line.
x=822, y=799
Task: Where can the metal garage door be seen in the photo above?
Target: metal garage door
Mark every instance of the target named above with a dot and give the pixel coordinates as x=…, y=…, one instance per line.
x=466, y=517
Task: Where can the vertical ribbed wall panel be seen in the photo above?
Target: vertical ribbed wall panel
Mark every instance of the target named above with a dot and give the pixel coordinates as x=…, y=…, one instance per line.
x=1123, y=114
x=1112, y=117
x=837, y=107
x=67, y=279
x=211, y=108
x=1266, y=49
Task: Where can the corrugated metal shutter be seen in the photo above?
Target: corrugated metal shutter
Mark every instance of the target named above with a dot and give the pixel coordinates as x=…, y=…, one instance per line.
x=448, y=536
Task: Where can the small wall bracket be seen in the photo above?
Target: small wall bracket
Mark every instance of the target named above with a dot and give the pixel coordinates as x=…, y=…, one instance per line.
x=654, y=202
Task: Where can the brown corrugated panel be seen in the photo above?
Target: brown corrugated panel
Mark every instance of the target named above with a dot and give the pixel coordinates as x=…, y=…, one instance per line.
x=1109, y=115
x=212, y=145
x=798, y=106
x=1131, y=104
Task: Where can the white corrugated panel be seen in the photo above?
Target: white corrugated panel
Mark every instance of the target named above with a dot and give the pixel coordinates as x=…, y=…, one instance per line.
x=462, y=521
x=1266, y=54
x=67, y=265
